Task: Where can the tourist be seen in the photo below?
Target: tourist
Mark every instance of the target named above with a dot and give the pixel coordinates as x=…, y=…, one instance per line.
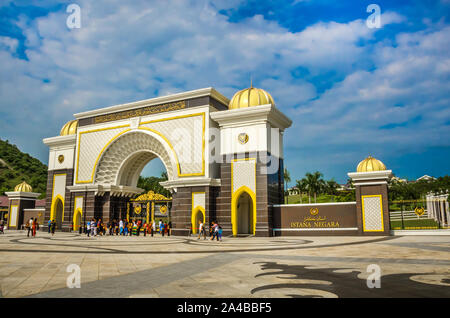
x=200, y=229
x=88, y=228
x=215, y=231
x=35, y=226
x=29, y=226
x=220, y=232
x=161, y=228
x=2, y=227
x=138, y=227
x=49, y=224
x=153, y=227
x=159, y=225
x=166, y=228
x=121, y=228
x=145, y=229
x=53, y=226
x=93, y=228
x=130, y=228
x=169, y=228
x=125, y=228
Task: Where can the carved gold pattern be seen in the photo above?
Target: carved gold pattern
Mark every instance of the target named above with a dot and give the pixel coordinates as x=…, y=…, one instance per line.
x=140, y=112
x=151, y=196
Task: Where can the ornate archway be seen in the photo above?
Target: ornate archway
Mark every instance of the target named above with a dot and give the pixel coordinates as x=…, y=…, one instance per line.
x=122, y=162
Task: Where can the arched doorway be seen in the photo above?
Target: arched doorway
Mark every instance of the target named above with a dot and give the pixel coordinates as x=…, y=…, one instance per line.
x=198, y=214
x=57, y=212
x=77, y=219
x=244, y=214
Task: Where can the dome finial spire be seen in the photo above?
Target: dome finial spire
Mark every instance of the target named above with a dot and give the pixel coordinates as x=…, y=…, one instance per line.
x=251, y=81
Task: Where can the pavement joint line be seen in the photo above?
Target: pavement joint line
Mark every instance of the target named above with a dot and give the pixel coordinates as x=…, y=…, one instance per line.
x=150, y=278
x=278, y=248
x=355, y=259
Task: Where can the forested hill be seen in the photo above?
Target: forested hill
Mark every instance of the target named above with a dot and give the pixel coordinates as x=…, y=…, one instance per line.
x=16, y=166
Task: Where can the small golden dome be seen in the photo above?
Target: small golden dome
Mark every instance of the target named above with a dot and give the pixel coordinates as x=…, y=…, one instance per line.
x=250, y=97
x=370, y=164
x=23, y=187
x=70, y=128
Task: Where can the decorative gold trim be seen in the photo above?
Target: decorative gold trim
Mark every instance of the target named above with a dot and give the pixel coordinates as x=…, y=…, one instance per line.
x=381, y=211
x=194, y=211
x=143, y=128
x=101, y=151
x=9, y=214
x=237, y=193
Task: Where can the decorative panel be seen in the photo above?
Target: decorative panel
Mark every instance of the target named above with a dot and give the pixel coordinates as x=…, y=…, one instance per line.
x=372, y=213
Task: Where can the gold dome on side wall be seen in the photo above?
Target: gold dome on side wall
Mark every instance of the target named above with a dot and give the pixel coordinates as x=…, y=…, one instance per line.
x=370, y=164
x=250, y=97
x=23, y=187
x=70, y=128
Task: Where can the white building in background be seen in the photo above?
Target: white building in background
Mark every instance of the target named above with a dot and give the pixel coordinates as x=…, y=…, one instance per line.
x=425, y=177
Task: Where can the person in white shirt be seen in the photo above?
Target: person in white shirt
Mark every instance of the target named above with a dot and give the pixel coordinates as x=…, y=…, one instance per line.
x=200, y=229
x=121, y=227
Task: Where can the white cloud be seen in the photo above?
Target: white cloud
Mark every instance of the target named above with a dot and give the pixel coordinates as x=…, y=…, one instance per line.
x=124, y=53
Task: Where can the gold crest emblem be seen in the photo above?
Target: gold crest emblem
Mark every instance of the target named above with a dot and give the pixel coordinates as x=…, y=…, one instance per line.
x=419, y=211
x=137, y=209
x=243, y=138
x=314, y=211
x=163, y=209
x=60, y=158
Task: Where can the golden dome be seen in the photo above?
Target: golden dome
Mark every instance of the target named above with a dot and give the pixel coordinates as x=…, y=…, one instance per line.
x=370, y=164
x=23, y=187
x=70, y=128
x=250, y=97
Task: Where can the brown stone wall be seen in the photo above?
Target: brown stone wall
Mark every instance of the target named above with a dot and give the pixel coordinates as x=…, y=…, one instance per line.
x=376, y=189
x=269, y=190
x=182, y=208
x=299, y=216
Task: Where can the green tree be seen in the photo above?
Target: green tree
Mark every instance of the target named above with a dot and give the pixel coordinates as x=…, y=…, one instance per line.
x=315, y=184
x=287, y=179
x=301, y=186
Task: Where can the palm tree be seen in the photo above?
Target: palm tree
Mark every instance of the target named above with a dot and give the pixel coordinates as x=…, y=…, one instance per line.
x=314, y=184
x=287, y=179
x=331, y=187
x=301, y=186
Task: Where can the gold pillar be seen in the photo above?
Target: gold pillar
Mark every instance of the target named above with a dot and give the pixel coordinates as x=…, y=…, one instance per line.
x=153, y=211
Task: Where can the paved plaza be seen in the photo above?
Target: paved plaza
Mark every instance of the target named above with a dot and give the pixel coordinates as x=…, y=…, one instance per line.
x=114, y=266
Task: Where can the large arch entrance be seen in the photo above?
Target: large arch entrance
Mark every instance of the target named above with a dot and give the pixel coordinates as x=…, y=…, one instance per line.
x=122, y=162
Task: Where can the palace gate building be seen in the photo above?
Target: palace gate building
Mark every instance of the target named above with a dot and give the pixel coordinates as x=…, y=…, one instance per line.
x=224, y=163
x=224, y=160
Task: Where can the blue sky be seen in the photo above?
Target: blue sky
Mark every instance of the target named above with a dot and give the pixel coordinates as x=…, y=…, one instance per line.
x=350, y=90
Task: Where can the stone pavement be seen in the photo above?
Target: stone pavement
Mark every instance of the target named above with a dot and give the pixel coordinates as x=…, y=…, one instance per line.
x=411, y=266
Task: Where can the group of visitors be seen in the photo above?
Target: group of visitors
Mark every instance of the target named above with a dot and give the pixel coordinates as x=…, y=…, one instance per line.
x=32, y=225
x=51, y=226
x=215, y=231
x=127, y=228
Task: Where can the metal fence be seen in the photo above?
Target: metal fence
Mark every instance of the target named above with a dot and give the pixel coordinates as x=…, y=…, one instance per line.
x=417, y=215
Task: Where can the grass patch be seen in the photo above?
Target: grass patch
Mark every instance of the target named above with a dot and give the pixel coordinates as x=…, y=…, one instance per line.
x=415, y=224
